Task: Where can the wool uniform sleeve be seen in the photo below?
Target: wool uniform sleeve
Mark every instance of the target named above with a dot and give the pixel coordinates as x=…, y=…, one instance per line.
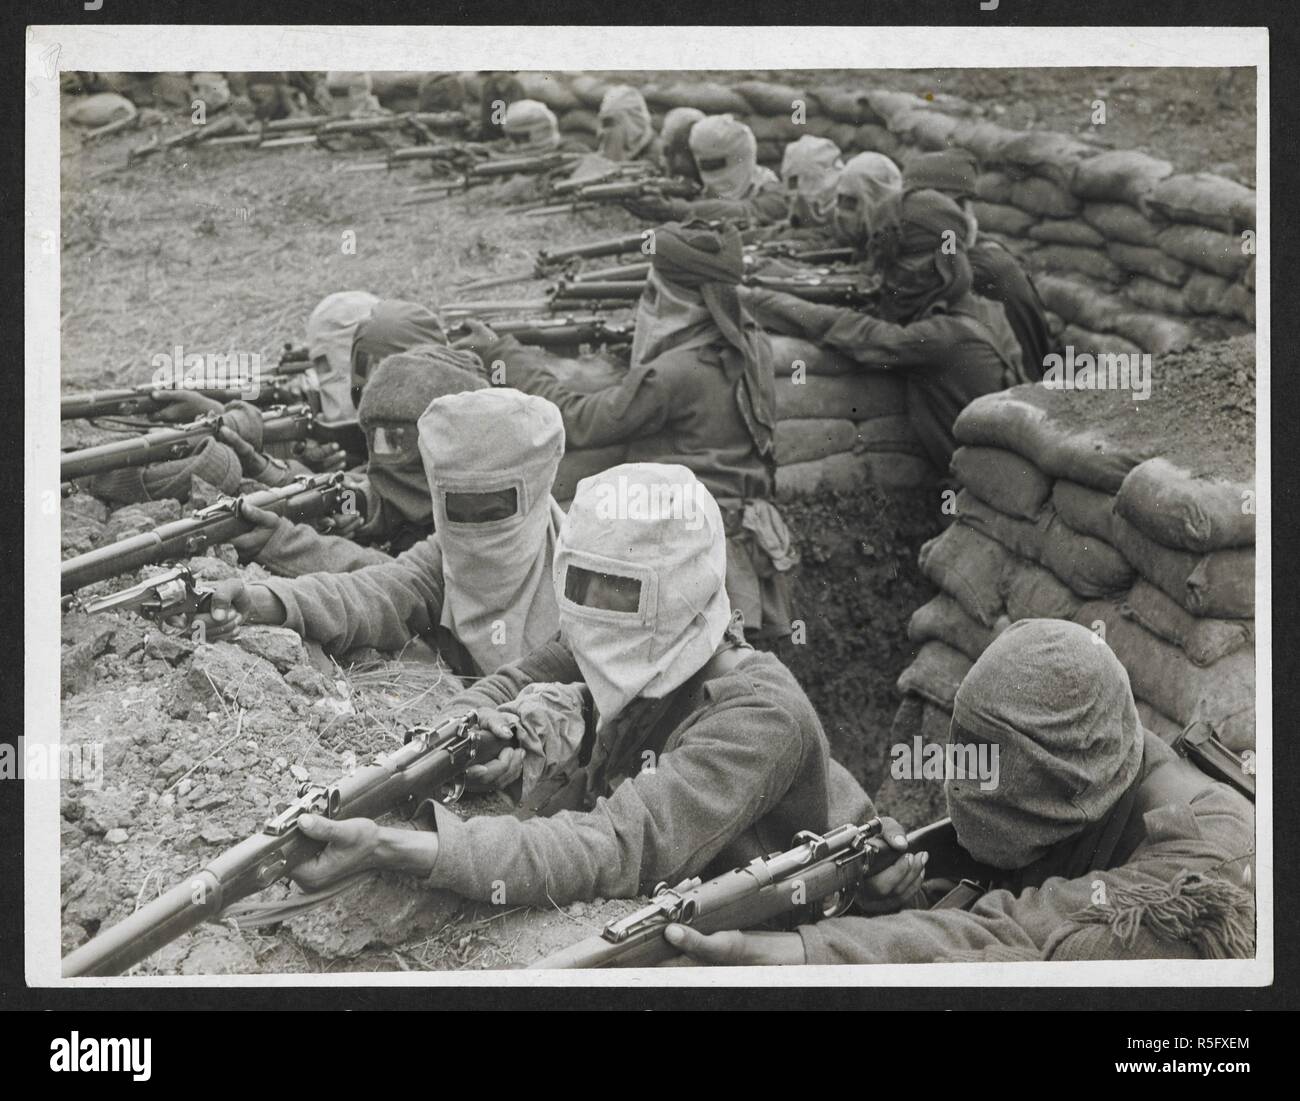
x=297, y=549
x=665, y=824
x=550, y=663
x=605, y=417
x=1214, y=839
x=383, y=605
x=769, y=205
x=877, y=343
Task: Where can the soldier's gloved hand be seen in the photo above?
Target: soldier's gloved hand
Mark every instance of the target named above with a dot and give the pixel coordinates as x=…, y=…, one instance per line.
x=183, y=406
x=323, y=458
x=734, y=949
x=890, y=890
x=509, y=764
x=252, y=542
x=251, y=461
x=479, y=341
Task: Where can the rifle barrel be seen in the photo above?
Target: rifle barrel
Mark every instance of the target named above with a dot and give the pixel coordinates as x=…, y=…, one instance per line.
x=165, y=443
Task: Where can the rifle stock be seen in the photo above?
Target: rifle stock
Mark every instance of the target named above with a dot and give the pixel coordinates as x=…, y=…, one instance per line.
x=432, y=758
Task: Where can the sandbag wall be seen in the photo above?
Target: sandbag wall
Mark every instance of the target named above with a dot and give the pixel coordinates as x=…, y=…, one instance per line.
x=1134, y=253
x=1054, y=522
x=839, y=425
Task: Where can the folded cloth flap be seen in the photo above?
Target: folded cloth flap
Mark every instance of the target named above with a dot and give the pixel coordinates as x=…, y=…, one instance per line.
x=550, y=729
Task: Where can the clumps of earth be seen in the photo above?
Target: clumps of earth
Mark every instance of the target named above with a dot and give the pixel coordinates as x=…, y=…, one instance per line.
x=203, y=741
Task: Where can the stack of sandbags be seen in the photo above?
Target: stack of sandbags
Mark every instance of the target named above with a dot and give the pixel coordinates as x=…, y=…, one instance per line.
x=840, y=425
x=1135, y=519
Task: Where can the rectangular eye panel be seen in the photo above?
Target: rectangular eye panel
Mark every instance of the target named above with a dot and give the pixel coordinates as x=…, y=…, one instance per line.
x=481, y=508
x=712, y=164
x=606, y=591
x=389, y=441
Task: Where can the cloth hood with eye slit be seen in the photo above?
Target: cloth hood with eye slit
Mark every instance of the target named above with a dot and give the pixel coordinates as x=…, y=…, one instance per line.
x=640, y=572
x=726, y=153
x=531, y=127
x=490, y=456
x=868, y=180
x=810, y=169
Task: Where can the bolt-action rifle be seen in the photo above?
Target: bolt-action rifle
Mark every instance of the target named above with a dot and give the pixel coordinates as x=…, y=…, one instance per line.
x=431, y=765
x=316, y=499
x=488, y=171
x=592, y=195
x=818, y=876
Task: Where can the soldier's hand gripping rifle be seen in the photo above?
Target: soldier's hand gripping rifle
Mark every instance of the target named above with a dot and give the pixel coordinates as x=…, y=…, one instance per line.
x=591, y=196
x=818, y=876
x=433, y=760
x=316, y=499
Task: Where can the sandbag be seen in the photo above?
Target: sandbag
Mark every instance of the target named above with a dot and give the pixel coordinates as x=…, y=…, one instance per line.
x=993, y=187
x=1204, y=292
x=1096, y=344
x=1121, y=222
x=1029, y=591
x=1151, y=294
x=1156, y=721
x=1086, y=510
x=1218, y=584
x=1221, y=253
x=778, y=128
x=874, y=138
x=1204, y=200
x=805, y=440
x=1023, y=538
x=770, y=151
x=1040, y=196
x=1163, y=675
x=1012, y=419
x=984, y=139
x=1073, y=300
x=1151, y=332
x=1204, y=641
x=1120, y=176
x=870, y=393
x=1044, y=153
x=580, y=121
x=764, y=98
x=589, y=90
x=1087, y=261
x=849, y=471
x=887, y=104
x=936, y=674
x=1004, y=479
x=817, y=359
x=925, y=128
x=844, y=106
x=100, y=109
x=1090, y=566
x=968, y=566
x=1002, y=218
x=1067, y=231
x=892, y=433
x=582, y=463
x=941, y=619
x=1151, y=262
x=711, y=98
x=550, y=89
x=1179, y=509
